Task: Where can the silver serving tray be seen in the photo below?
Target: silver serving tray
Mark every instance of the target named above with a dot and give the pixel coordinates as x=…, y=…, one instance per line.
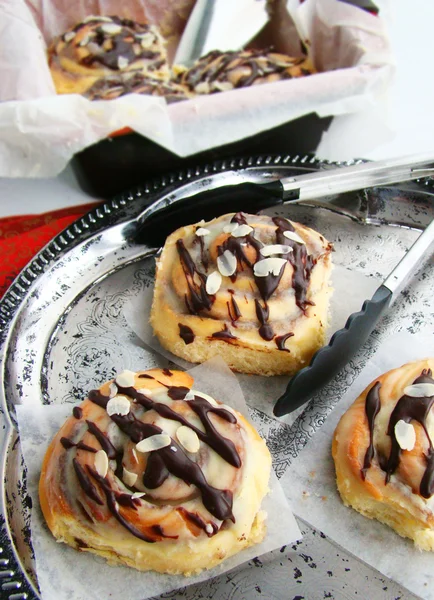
x=62, y=333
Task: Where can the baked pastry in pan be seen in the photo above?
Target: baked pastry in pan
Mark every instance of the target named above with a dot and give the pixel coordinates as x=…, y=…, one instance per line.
x=101, y=47
x=384, y=455
x=222, y=71
x=253, y=289
x=150, y=473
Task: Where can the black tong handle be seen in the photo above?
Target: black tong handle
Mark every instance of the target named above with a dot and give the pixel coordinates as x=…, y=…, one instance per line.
x=246, y=197
x=329, y=360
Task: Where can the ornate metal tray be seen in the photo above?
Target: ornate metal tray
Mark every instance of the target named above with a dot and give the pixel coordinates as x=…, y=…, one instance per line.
x=62, y=332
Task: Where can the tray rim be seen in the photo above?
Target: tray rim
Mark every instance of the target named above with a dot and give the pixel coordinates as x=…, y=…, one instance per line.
x=97, y=219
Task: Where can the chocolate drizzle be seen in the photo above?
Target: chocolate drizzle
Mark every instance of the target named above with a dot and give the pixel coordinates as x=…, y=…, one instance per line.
x=186, y=333
x=197, y=299
x=263, y=313
x=77, y=412
x=224, y=335
x=67, y=444
x=234, y=312
x=267, y=285
x=408, y=409
x=281, y=339
x=164, y=461
x=301, y=262
x=197, y=520
x=223, y=446
x=177, y=392
x=106, y=444
x=372, y=407
x=113, y=507
x=86, y=484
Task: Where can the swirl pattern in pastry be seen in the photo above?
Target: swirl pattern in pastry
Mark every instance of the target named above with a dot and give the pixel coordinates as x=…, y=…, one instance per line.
x=251, y=288
x=101, y=47
x=151, y=473
x=384, y=454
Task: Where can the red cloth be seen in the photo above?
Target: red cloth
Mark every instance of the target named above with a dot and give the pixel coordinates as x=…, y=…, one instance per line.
x=22, y=237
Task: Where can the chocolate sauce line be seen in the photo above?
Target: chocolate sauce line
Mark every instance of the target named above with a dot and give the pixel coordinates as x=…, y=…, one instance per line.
x=112, y=505
x=301, y=262
x=262, y=314
x=223, y=446
x=106, y=444
x=165, y=460
x=408, y=409
x=372, y=407
x=67, y=444
x=281, y=339
x=85, y=483
x=197, y=520
x=224, y=335
x=186, y=333
x=199, y=300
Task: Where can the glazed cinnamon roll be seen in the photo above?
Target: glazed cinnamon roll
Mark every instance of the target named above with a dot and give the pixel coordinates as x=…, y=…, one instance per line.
x=252, y=289
x=150, y=473
x=384, y=454
x=223, y=71
x=101, y=47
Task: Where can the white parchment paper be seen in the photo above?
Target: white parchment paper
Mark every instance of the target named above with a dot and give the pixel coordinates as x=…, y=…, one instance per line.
x=310, y=483
x=65, y=574
x=40, y=132
x=262, y=392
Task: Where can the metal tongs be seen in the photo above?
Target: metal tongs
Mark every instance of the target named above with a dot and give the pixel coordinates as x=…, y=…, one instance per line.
x=253, y=197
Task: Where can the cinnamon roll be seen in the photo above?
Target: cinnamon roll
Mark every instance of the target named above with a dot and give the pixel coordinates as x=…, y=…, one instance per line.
x=223, y=71
x=153, y=474
x=101, y=47
x=252, y=289
x=384, y=454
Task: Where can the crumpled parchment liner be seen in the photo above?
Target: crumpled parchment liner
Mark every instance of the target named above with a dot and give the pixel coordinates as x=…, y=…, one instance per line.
x=40, y=132
x=65, y=574
x=310, y=484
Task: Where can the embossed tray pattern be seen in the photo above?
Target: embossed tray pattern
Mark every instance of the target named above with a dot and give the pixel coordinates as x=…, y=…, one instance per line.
x=62, y=332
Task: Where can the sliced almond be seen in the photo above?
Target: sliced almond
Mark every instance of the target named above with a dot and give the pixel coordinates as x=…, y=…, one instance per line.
x=201, y=231
x=119, y=405
x=146, y=39
x=128, y=477
x=405, y=435
x=223, y=86
x=420, y=390
x=213, y=283
x=154, y=442
x=230, y=227
x=227, y=263
x=267, y=266
x=209, y=528
x=275, y=249
x=101, y=463
x=242, y=230
x=69, y=35
x=137, y=495
x=291, y=235
x=122, y=62
x=134, y=453
x=113, y=390
x=188, y=438
x=111, y=28
x=202, y=88
x=125, y=379
x=97, y=18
